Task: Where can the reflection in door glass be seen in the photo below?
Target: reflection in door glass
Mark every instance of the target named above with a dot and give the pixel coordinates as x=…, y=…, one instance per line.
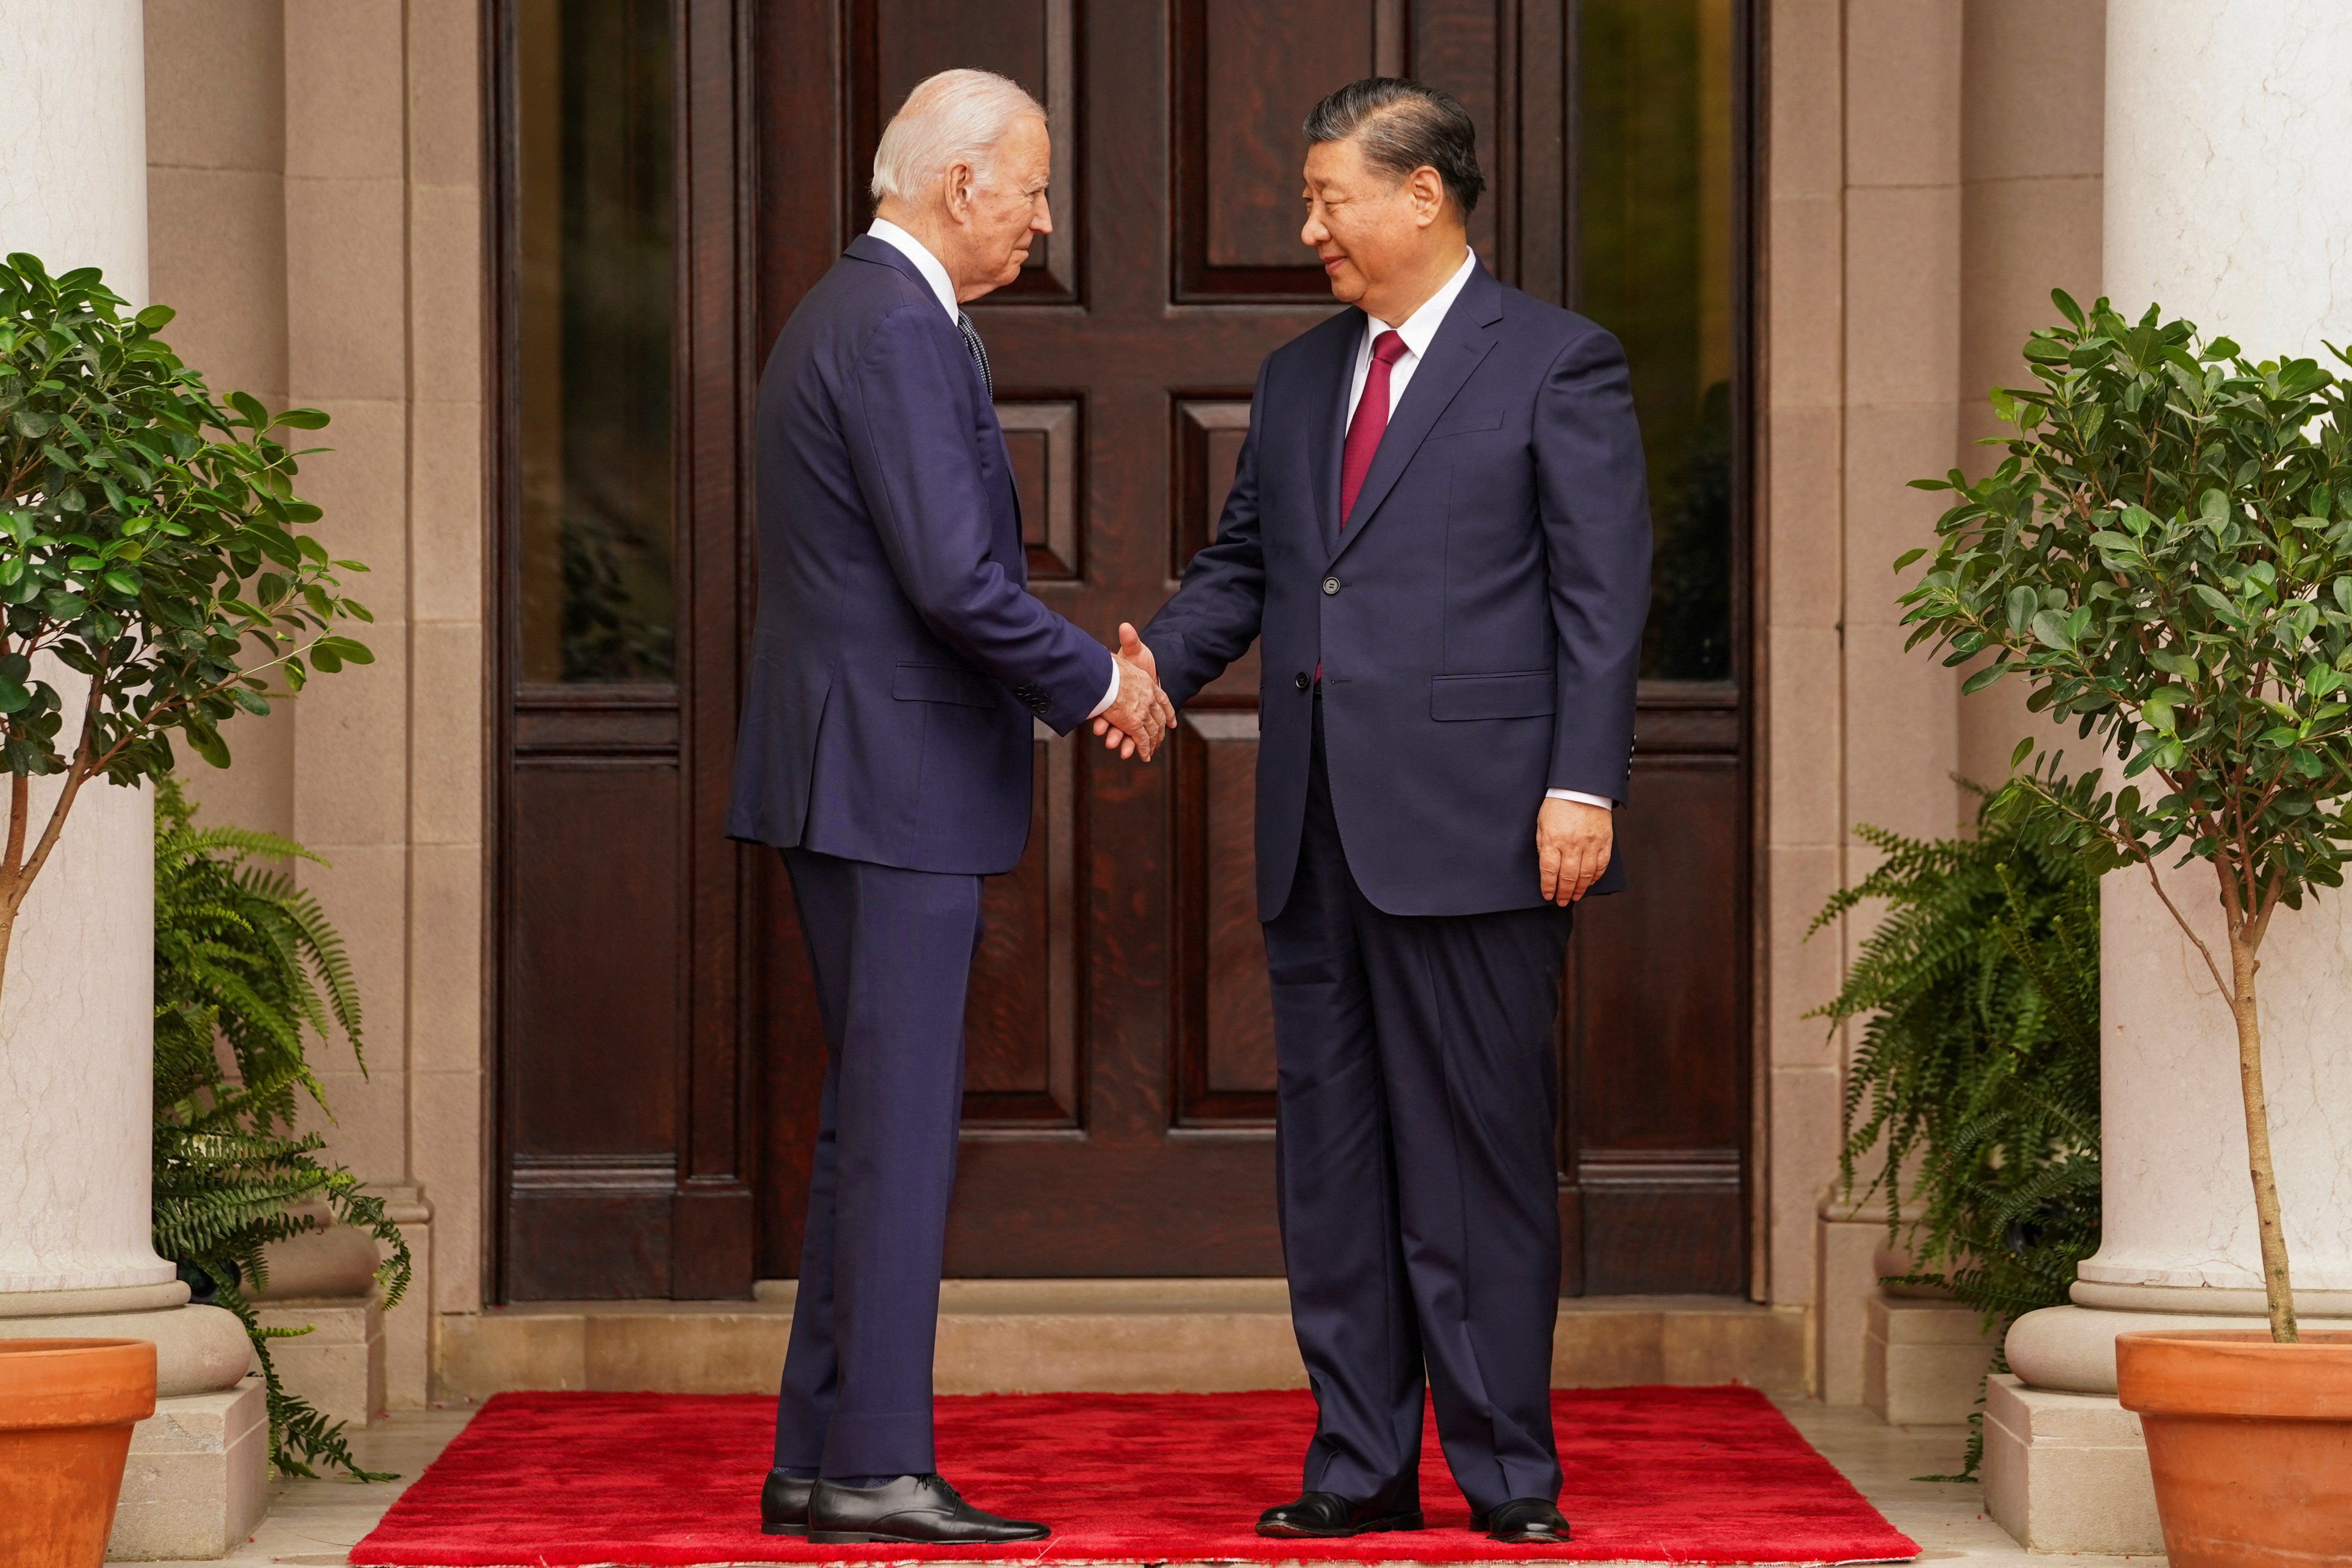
x=594, y=219
x=1655, y=265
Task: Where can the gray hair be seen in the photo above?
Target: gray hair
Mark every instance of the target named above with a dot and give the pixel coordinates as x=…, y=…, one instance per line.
x=955, y=116
x=1400, y=125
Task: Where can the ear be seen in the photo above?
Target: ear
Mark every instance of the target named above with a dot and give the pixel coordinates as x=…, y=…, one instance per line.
x=959, y=185
x=1427, y=189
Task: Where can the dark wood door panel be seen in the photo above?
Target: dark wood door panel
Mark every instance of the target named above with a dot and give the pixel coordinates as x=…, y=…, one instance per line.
x=1021, y=1054
x=591, y=1029
x=1655, y=1062
x=1188, y=1206
x=1224, y=1043
x=1656, y=1042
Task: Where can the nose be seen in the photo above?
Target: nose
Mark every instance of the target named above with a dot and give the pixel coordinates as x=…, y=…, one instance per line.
x=1042, y=220
x=1312, y=232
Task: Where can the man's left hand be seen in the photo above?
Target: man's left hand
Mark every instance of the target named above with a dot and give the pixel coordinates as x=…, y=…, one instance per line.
x=1572, y=842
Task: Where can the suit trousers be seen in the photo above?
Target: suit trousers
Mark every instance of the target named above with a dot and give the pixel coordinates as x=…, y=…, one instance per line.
x=891, y=951
x=1418, y=1183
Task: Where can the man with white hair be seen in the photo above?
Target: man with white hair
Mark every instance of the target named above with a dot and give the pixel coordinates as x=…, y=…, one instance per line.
x=897, y=667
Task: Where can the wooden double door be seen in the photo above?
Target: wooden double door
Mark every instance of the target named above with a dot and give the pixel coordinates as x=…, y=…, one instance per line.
x=660, y=1050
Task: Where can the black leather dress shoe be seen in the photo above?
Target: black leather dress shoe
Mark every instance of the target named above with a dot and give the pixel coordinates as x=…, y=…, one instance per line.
x=917, y=1510
x=1524, y=1522
x=1324, y=1515
x=784, y=1504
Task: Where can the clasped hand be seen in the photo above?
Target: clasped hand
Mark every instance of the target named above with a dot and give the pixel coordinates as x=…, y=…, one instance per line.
x=1138, y=717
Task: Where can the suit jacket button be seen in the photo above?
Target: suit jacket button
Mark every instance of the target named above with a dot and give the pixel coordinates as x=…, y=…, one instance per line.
x=1300, y=680
x=1330, y=585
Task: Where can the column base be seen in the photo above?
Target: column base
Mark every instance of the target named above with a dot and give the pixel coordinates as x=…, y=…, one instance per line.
x=2067, y=1472
x=1922, y=1361
x=197, y=1482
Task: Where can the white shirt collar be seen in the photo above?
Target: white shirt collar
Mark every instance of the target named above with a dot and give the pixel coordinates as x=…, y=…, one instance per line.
x=1419, y=329
x=913, y=250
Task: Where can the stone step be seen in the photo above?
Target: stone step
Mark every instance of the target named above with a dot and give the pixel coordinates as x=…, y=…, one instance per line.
x=1003, y=1336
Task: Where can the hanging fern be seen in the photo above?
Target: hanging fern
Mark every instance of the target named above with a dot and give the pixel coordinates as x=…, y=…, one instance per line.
x=1979, y=1069
x=248, y=967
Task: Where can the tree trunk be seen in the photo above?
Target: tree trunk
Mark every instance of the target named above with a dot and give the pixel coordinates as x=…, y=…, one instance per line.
x=2275, y=1285
x=12, y=865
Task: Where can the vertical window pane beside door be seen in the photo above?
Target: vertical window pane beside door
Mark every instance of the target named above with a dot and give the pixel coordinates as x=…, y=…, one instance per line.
x=1653, y=265
x=593, y=168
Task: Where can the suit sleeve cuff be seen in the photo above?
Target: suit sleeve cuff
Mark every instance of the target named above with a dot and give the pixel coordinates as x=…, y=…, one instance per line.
x=1581, y=798
x=1110, y=695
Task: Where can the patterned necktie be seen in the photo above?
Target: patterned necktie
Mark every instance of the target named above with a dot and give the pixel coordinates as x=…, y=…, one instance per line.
x=1370, y=419
x=980, y=350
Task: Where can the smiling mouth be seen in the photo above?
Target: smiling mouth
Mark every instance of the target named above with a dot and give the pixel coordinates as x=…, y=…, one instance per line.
x=1333, y=263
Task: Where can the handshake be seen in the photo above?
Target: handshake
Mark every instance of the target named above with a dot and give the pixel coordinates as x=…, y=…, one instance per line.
x=1138, y=718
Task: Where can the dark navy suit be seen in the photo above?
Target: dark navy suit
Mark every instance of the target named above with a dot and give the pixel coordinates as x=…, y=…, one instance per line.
x=1477, y=624
x=885, y=747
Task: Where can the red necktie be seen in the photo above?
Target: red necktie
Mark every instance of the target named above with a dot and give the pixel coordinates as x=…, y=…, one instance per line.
x=1370, y=419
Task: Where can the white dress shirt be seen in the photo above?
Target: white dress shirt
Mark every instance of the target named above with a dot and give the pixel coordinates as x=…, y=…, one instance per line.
x=1419, y=330
x=934, y=274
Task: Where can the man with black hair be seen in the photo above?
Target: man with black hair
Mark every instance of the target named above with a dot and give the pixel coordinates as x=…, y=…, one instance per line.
x=1440, y=528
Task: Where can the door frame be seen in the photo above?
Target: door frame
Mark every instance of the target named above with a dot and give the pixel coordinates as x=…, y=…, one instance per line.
x=723, y=62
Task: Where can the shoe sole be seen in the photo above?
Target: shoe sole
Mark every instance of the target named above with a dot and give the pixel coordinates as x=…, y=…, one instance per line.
x=1546, y=1539
x=871, y=1538
x=1395, y=1521
x=767, y=1528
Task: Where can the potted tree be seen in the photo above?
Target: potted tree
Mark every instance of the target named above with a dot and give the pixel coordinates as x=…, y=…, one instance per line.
x=154, y=574
x=2165, y=557
x=152, y=548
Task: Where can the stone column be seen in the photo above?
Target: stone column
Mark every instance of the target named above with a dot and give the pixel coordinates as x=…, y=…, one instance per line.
x=76, y=1019
x=2228, y=201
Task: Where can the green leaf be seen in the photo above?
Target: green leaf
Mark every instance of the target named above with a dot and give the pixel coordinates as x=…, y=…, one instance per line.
x=2050, y=630
x=2024, y=750
x=303, y=419
x=2021, y=604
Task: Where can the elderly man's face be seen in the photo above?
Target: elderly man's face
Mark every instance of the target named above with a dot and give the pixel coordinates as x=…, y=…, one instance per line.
x=1369, y=229
x=1007, y=211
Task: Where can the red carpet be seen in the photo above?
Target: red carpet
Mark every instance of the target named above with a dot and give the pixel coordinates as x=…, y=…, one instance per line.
x=1655, y=1475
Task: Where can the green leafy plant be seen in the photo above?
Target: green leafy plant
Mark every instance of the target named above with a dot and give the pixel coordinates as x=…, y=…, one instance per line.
x=1976, y=1087
x=247, y=968
x=151, y=544
x=2165, y=557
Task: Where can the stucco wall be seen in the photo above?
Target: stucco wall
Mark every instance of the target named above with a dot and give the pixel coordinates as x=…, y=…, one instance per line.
x=1933, y=171
x=314, y=186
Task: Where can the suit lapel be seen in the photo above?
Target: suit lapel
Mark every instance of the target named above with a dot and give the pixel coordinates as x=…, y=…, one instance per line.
x=1463, y=342
x=1323, y=378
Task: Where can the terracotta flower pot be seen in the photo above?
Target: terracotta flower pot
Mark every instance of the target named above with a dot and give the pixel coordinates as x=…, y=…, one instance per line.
x=67, y=1407
x=2250, y=1442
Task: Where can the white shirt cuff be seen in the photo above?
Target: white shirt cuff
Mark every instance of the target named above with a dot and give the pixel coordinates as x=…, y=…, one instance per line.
x=1110, y=696
x=1581, y=798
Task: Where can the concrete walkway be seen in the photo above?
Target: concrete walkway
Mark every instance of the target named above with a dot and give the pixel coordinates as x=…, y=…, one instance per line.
x=316, y=1523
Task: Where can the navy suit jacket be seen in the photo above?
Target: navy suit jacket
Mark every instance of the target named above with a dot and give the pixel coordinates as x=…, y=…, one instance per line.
x=899, y=656
x=1478, y=621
